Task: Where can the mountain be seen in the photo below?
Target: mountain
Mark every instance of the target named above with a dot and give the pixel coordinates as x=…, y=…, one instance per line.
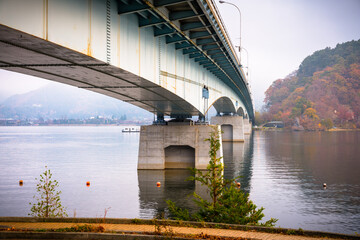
x=59, y=101
x=324, y=91
x=3, y=95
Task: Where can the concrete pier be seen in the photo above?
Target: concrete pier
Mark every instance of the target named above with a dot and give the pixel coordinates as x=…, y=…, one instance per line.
x=175, y=146
x=247, y=127
x=232, y=127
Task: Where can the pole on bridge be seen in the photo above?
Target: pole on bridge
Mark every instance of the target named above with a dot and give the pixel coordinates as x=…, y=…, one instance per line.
x=240, y=25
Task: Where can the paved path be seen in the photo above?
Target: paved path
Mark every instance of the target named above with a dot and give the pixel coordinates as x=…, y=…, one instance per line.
x=151, y=229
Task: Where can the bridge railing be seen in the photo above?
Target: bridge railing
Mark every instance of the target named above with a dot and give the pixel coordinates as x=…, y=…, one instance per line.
x=215, y=12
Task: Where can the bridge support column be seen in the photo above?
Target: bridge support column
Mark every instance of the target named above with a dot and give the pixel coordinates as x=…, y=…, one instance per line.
x=232, y=127
x=175, y=146
x=247, y=127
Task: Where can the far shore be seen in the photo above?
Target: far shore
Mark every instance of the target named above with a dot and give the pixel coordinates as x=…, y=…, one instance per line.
x=73, y=125
x=290, y=130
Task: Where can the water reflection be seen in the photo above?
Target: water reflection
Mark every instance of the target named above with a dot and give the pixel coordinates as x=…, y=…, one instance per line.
x=238, y=161
x=291, y=173
x=283, y=172
x=174, y=186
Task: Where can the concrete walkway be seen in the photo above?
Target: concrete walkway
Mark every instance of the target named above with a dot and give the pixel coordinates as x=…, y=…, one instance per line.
x=135, y=228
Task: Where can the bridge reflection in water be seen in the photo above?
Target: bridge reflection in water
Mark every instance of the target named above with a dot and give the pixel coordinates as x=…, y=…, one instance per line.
x=174, y=186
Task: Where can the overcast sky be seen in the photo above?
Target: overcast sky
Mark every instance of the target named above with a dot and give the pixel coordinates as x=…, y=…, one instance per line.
x=278, y=35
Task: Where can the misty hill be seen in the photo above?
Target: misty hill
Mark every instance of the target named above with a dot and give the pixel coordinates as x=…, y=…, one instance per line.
x=59, y=101
x=325, y=91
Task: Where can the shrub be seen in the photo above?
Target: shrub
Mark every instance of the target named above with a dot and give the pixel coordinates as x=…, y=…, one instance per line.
x=228, y=204
x=48, y=203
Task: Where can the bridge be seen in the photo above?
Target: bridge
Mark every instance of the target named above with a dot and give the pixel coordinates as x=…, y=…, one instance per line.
x=170, y=57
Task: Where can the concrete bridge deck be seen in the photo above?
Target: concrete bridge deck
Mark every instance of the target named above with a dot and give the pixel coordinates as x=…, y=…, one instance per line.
x=170, y=57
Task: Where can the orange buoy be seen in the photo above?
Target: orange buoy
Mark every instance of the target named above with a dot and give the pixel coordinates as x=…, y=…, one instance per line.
x=158, y=184
x=21, y=182
x=88, y=183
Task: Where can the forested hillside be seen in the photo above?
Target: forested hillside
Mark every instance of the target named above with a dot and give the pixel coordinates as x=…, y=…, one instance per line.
x=324, y=91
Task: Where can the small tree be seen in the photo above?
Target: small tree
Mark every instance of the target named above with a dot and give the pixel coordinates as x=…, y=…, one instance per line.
x=229, y=204
x=213, y=176
x=48, y=202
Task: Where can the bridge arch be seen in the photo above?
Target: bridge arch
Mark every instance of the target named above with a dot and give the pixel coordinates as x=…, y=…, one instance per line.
x=179, y=156
x=224, y=105
x=240, y=111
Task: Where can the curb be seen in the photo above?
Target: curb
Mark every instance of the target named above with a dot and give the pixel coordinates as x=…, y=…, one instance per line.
x=69, y=235
x=175, y=223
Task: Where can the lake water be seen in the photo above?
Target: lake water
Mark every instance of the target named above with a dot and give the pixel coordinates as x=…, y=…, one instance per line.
x=284, y=172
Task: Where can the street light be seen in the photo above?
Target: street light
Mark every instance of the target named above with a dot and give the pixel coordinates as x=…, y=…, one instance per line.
x=247, y=60
x=240, y=24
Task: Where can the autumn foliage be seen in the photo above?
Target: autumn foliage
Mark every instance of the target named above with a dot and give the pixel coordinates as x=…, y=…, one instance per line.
x=324, y=92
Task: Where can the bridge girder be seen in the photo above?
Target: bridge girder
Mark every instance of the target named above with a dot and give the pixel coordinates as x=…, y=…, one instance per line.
x=192, y=26
x=197, y=29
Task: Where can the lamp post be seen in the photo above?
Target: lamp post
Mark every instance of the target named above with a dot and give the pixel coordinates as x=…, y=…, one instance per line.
x=240, y=24
x=247, y=60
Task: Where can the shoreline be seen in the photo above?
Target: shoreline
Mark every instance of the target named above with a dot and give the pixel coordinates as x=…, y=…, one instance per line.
x=22, y=225
x=74, y=125
x=290, y=130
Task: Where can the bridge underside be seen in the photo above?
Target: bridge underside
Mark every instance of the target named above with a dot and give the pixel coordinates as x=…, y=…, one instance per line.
x=224, y=105
x=24, y=53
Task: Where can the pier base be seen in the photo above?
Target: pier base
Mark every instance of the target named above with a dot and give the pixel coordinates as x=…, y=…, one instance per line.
x=232, y=127
x=175, y=146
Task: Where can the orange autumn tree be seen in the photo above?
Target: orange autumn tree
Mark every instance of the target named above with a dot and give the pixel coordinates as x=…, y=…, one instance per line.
x=324, y=91
x=310, y=120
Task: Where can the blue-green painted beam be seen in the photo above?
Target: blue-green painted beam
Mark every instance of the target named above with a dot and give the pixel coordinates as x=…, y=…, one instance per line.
x=148, y=22
x=190, y=50
x=212, y=66
x=164, y=31
x=222, y=59
x=212, y=52
x=162, y=3
x=218, y=73
x=143, y=14
x=173, y=16
x=205, y=61
x=210, y=47
x=204, y=41
x=199, y=59
x=194, y=35
x=132, y=7
x=194, y=55
x=192, y=26
x=207, y=64
x=182, y=45
x=174, y=39
x=215, y=55
x=227, y=68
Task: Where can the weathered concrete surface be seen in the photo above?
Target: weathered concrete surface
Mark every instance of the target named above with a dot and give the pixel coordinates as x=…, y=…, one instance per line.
x=177, y=146
x=232, y=127
x=247, y=127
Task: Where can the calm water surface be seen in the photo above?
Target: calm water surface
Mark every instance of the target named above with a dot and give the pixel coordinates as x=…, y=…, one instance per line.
x=283, y=172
